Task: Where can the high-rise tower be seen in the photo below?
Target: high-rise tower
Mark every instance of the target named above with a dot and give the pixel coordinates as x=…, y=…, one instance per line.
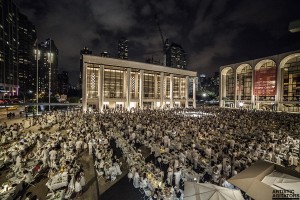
x=123, y=48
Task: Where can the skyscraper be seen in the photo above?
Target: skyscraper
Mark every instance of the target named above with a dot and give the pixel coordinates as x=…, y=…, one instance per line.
x=63, y=82
x=123, y=48
x=27, y=60
x=8, y=48
x=48, y=65
x=176, y=56
x=84, y=51
x=17, y=62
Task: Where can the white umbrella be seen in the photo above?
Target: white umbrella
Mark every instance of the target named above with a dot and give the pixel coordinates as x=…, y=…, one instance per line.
x=207, y=191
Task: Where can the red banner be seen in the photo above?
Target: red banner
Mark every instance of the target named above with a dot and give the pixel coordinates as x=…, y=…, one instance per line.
x=265, y=82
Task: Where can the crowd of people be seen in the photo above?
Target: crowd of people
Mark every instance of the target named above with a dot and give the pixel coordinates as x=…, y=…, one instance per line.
x=209, y=146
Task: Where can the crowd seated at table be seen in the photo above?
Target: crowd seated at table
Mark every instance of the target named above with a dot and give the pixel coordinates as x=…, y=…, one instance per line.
x=206, y=148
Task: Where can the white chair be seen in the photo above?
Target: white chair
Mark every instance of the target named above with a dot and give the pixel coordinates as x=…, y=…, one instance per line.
x=147, y=194
x=141, y=188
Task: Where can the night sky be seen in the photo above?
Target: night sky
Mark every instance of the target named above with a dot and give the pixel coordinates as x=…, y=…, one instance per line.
x=212, y=32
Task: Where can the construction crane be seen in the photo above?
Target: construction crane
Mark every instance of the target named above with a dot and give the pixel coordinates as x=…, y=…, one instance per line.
x=165, y=42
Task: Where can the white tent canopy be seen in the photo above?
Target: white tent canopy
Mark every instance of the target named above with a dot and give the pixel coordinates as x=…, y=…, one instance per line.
x=279, y=177
x=279, y=180
x=207, y=191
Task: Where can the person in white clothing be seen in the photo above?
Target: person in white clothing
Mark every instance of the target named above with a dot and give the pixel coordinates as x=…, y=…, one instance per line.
x=18, y=165
x=90, y=144
x=27, y=177
x=82, y=179
x=170, y=175
x=78, y=187
x=177, y=175
x=136, y=179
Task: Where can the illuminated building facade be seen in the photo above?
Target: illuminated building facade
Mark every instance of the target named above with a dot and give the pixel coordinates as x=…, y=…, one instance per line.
x=115, y=83
x=271, y=83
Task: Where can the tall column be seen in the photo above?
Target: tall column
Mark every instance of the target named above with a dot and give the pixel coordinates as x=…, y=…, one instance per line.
x=194, y=92
x=239, y=86
x=141, y=92
x=84, y=87
x=235, y=84
x=124, y=85
x=278, y=95
x=162, y=95
x=128, y=88
x=101, y=87
x=155, y=91
x=180, y=85
x=171, y=91
x=136, y=85
x=187, y=91
x=221, y=88
x=155, y=86
x=252, y=89
x=165, y=90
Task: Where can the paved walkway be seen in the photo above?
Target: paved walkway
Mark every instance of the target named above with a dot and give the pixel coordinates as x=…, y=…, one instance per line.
x=90, y=190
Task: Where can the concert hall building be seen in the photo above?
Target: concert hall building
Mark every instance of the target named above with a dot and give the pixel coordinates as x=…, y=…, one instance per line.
x=115, y=83
x=271, y=83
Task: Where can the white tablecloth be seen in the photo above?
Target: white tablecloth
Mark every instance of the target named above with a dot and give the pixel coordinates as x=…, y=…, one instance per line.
x=58, y=181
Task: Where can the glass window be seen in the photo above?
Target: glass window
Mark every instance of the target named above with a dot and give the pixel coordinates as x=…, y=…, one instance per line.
x=149, y=88
x=183, y=87
x=92, y=81
x=113, y=83
x=265, y=82
x=229, y=85
x=176, y=92
x=167, y=86
x=244, y=83
x=291, y=80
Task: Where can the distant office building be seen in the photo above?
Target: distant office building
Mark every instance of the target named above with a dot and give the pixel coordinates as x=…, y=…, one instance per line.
x=209, y=84
x=175, y=56
x=17, y=37
x=84, y=51
x=27, y=60
x=63, y=82
x=105, y=54
x=123, y=48
x=48, y=65
x=8, y=48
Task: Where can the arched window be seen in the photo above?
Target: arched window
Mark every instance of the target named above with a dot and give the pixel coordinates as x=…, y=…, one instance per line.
x=265, y=80
x=229, y=84
x=291, y=80
x=244, y=82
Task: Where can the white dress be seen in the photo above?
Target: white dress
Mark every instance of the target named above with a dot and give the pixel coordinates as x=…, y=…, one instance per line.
x=136, y=179
x=82, y=180
x=177, y=178
x=78, y=187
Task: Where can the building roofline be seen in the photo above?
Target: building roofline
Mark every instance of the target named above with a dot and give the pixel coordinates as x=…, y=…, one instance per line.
x=271, y=57
x=136, y=65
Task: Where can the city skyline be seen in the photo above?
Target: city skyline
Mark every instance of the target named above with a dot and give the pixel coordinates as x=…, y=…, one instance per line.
x=213, y=33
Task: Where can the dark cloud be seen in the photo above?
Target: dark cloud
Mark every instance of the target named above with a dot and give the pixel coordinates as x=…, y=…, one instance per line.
x=213, y=32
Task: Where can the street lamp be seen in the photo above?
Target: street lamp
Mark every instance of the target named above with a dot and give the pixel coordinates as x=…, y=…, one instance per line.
x=38, y=54
x=50, y=62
